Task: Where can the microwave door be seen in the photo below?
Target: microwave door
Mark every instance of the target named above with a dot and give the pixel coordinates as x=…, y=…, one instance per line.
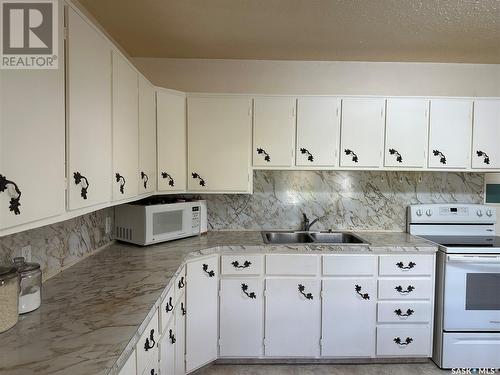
x=164, y=225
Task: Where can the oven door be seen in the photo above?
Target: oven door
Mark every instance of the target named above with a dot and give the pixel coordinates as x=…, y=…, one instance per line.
x=472, y=293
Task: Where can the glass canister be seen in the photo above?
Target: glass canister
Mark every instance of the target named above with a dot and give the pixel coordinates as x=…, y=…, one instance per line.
x=30, y=294
x=9, y=297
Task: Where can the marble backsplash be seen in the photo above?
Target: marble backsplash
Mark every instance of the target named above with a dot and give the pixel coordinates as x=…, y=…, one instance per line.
x=343, y=200
x=60, y=245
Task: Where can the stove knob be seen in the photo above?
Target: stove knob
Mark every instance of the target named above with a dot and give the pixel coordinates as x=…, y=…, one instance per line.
x=419, y=212
x=428, y=212
x=479, y=213
x=489, y=213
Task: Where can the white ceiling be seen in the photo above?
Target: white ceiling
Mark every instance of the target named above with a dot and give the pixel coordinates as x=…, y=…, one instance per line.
x=349, y=30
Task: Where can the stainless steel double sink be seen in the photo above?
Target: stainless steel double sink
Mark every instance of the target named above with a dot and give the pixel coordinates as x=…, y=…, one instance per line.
x=301, y=237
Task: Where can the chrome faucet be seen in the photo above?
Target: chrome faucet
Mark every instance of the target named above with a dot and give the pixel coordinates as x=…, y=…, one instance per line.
x=307, y=225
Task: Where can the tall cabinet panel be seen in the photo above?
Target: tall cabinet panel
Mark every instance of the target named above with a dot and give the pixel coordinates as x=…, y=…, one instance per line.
x=89, y=114
x=219, y=139
x=125, y=129
x=172, y=140
x=317, y=131
x=32, y=141
x=486, y=134
x=450, y=133
x=147, y=136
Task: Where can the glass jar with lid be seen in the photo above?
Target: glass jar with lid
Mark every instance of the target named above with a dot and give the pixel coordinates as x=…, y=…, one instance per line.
x=9, y=297
x=31, y=285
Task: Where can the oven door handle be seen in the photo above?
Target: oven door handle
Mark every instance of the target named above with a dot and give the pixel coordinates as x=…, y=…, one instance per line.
x=476, y=259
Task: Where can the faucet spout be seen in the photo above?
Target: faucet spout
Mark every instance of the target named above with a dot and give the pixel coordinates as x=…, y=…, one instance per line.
x=308, y=224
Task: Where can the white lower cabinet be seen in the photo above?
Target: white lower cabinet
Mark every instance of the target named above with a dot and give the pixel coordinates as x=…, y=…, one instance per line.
x=151, y=369
x=147, y=346
x=292, y=317
x=129, y=368
x=241, y=317
x=180, y=330
x=168, y=345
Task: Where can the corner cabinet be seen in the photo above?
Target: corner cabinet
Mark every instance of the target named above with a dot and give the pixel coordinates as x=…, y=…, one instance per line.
x=147, y=137
x=486, y=135
x=125, y=129
x=219, y=140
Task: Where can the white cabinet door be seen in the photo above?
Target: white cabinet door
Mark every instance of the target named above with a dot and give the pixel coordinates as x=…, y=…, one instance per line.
x=292, y=317
x=274, y=132
x=32, y=153
x=147, y=137
x=349, y=317
x=241, y=317
x=89, y=114
x=202, y=312
x=125, y=129
x=318, y=128
x=450, y=133
x=172, y=140
x=168, y=344
x=486, y=134
x=180, y=330
x=362, y=132
x=406, y=132
x=219, y=139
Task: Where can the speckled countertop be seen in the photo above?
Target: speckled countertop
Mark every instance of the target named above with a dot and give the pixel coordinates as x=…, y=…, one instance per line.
x=93, y=313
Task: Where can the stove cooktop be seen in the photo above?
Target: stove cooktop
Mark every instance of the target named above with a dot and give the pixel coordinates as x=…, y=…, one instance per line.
x=467, y=244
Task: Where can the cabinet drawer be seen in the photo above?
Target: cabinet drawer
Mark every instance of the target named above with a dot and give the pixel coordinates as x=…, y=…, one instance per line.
x=402, y=311
x=147, y=348
x=167, y=309
x=241, y=264
x=404, y=341
x=406, y=265
x=180, y=285
x=307, y=265
x=352, y=264
x=405, y=289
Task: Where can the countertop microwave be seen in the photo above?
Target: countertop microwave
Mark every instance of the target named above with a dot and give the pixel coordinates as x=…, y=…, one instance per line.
x=152, y=221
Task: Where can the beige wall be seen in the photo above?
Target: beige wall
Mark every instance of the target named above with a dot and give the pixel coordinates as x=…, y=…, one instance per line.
x=311, y=77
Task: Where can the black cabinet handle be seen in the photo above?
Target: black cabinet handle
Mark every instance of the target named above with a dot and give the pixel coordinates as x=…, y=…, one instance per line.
x=482, y=154
x=121, y=180
x=149, y=340
x=408, y=267
x=442, y=159
x=398, y=341
x=181, y=284
x=408, y=312
x=171, y=181
x=301, y=290
x=183, y=309
x=357, y=288
x=153, y=372
x=210, y=273
x=244, y=288
x=14, y=202
x=79, y=178
x=399, y=158
x=351, y=152
x=197, y=176
x=246, y=264
x=169, y=306
x=409, y=289
x=261, y=151
x=310, y=157
x=145, y=179
x=171, y=336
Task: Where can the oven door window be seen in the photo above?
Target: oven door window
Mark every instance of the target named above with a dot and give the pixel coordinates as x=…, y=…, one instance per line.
x=167, y=222
x=482, y=291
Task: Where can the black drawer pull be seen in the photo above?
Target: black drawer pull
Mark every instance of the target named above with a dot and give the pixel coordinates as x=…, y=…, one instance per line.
x=210, y=273
x=409, y=289
x=151, y=339
x=357, y=288
x=399, y=158
x=14, y=202
x=169, y=306
x=398, y=341
x=171, y=181
x=197, y=176
x=183, y=309
x=145, y=179
x=171, y=336
x=482, y=154
x=398, y=312
x=153, y=372
x=181, y=284
x=267, y=157
x=351, y=152
x=79, y=178
x=119, y=178
x=408, y=267
x=246, y=264
x=442, y=157
x=310, y=157
x=301, y=290
x=244, y=288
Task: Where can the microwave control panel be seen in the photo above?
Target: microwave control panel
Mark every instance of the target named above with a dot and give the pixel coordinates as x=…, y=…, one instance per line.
x=195, y=222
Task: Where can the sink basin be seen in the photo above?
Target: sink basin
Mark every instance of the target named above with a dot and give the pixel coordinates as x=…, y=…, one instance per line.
x=311, y=237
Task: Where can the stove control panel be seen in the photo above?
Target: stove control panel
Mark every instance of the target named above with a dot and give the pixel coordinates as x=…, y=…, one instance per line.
x=450, y=213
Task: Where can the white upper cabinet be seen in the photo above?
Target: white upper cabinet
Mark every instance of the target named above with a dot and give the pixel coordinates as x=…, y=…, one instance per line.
x=219, y=139
x=147, y=136
x=450, y=133
x=172, y=140
x=274, y=131
x=32, y=155
x=486, y=134
x=125, y=129
x=362, y=132
x=89, y=114
x=406, y=132
x=318, y=128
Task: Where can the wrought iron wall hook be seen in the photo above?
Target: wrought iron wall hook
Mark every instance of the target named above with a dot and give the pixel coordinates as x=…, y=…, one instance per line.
x=310, y=157
x=261, y=151
x=399, y=158
x=197, y=176
x=352, y=153
x=121, y=180
x=171, y=181
x=145, y=177
x=486, y=158
x=79, y=178
x=14, y=202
